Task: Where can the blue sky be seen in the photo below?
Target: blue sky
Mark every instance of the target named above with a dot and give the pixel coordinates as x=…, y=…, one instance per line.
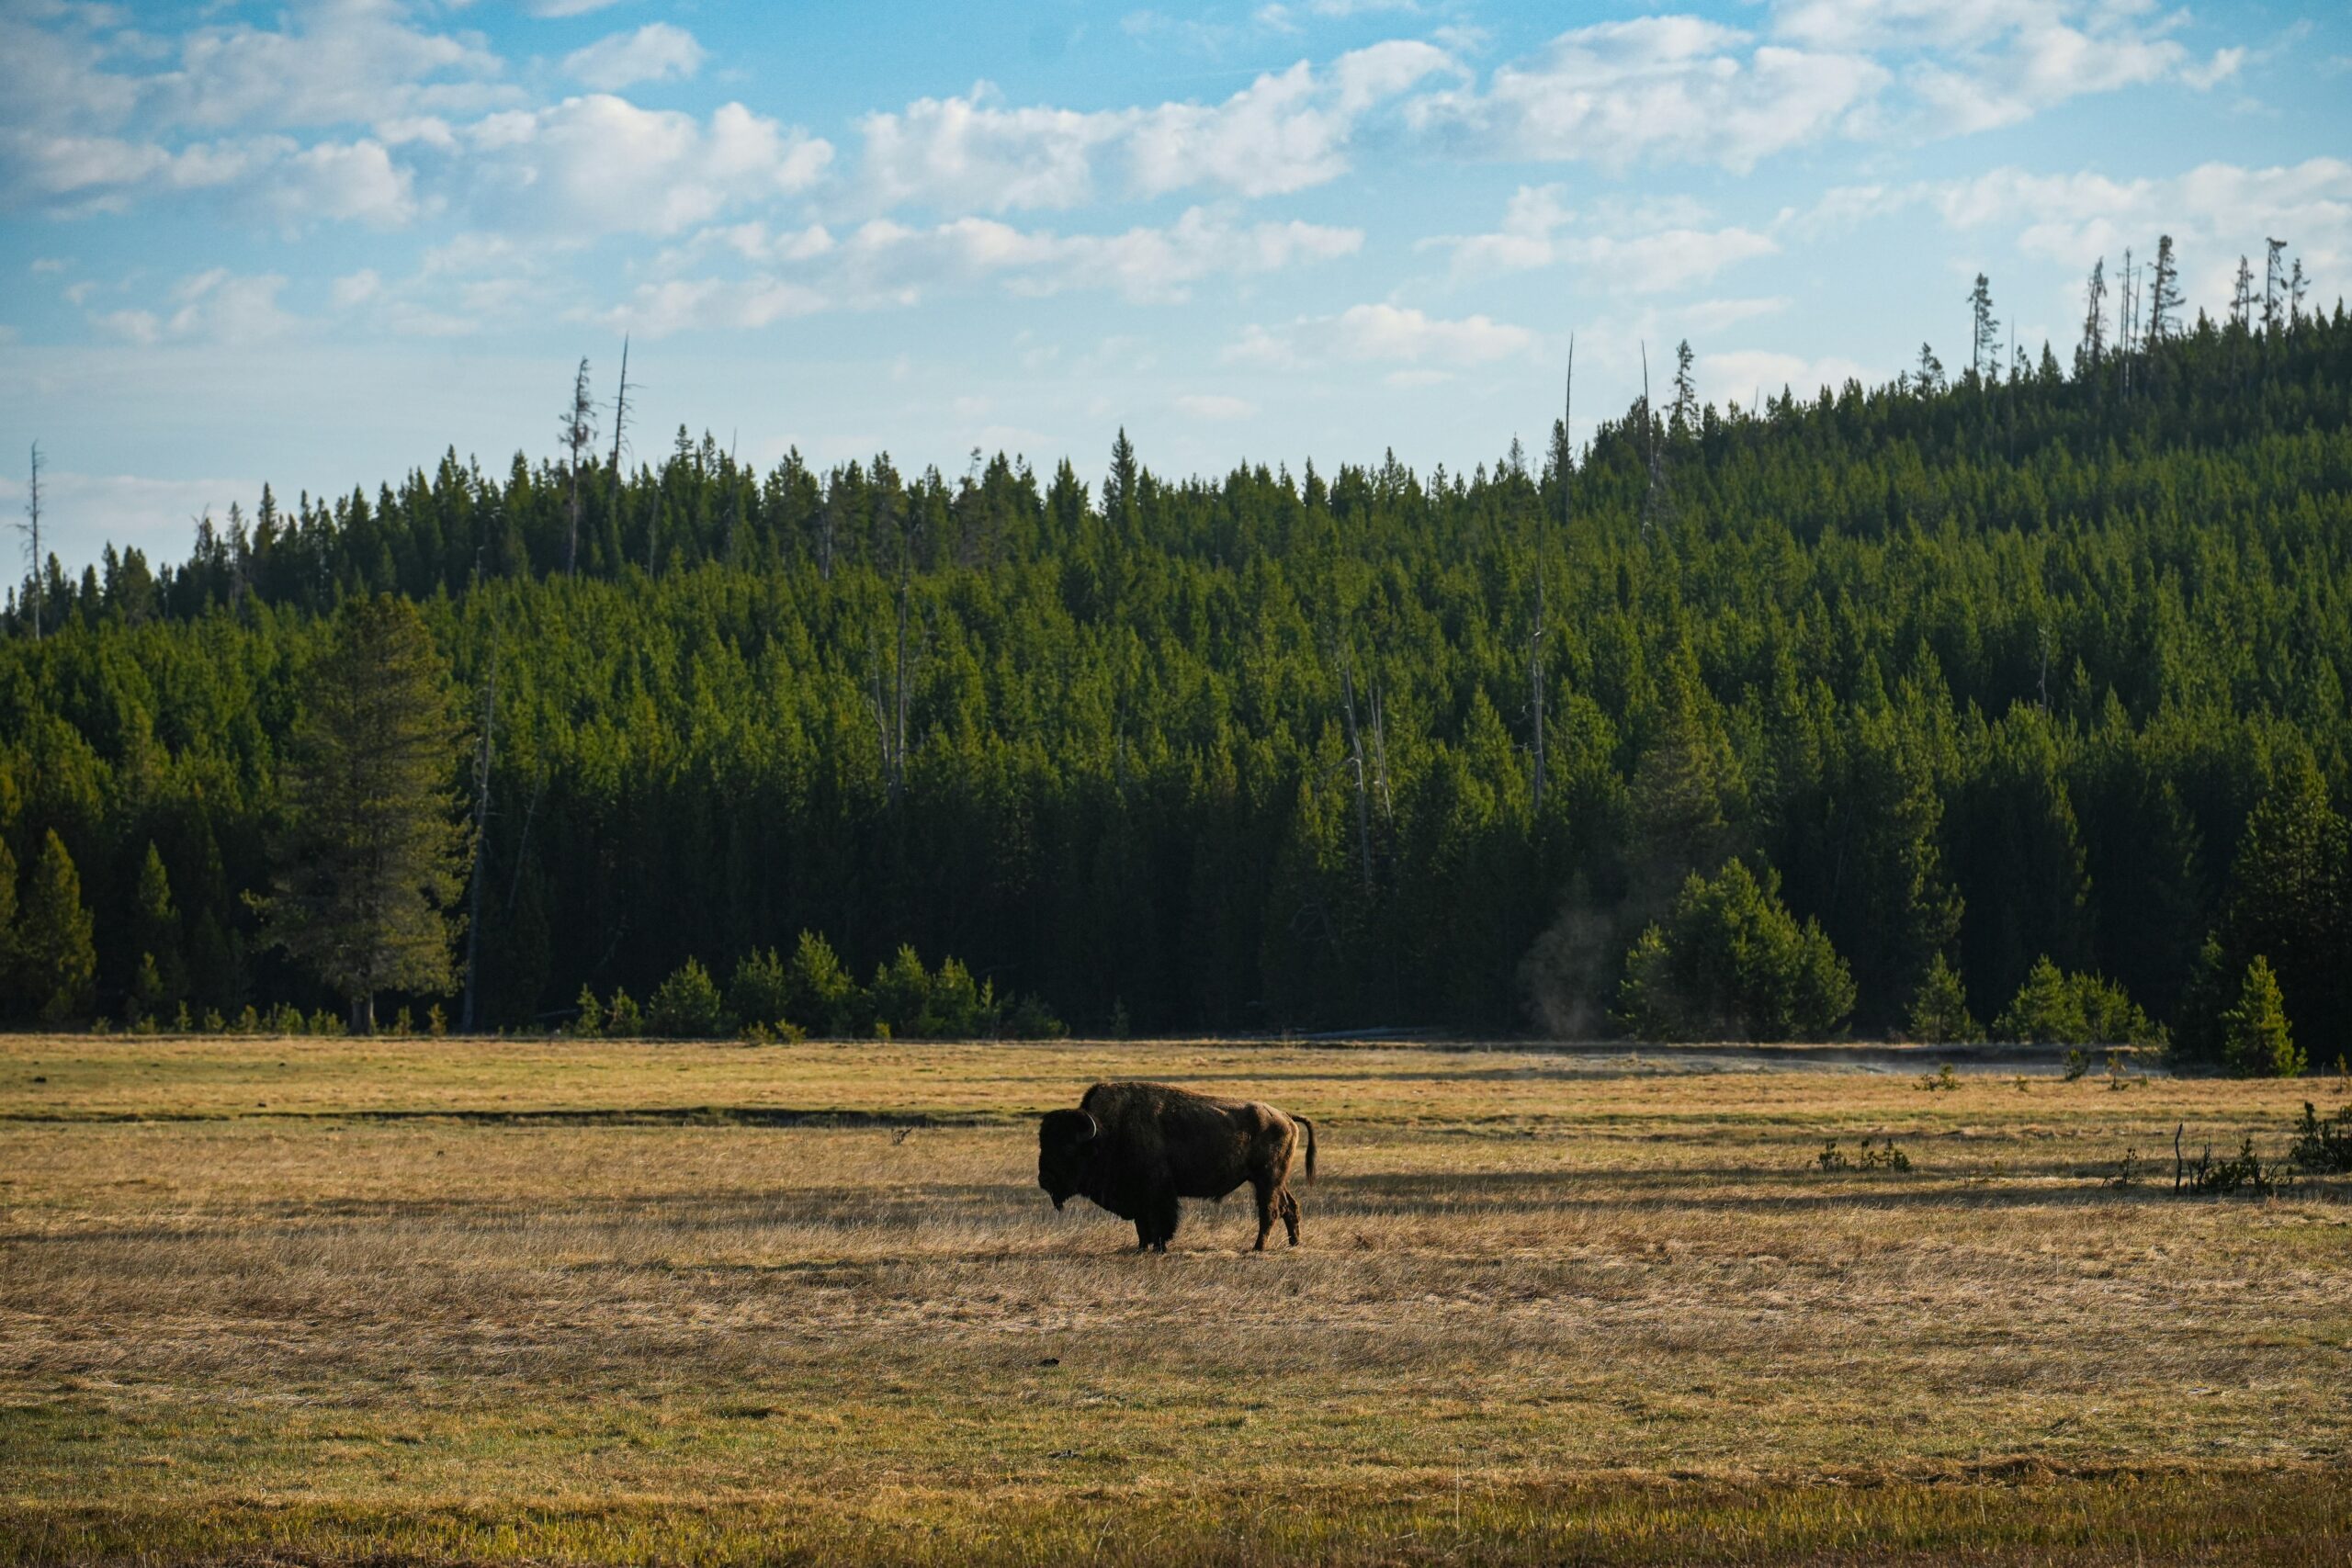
x=318, y=242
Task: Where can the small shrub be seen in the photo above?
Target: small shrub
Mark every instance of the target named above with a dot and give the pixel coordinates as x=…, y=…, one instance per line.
x=2078, y=1062
x=687, y=1005
x=2214, y=1177
x=1944, y=1080
x=587, y=1015
x=436, y=1022
x=180, y=1024
x=404, y=1023
x=1869, y=1157
x=2130, y=1171
x=2323, y=1145
x=623, y=1020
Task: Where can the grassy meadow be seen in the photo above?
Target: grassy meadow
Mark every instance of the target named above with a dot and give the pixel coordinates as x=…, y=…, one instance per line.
x=330, y=1301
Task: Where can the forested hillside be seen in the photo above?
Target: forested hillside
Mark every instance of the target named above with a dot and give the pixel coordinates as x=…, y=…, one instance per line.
x=1994, y=671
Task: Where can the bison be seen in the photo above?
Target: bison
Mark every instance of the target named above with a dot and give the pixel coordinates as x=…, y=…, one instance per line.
x=1136, y=1148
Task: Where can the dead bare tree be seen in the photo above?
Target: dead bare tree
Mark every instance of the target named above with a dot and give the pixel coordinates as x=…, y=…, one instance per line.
x=620, y=434
x=30, y=528
x=579, y=430
x=1356, y=765
x=1654, y=504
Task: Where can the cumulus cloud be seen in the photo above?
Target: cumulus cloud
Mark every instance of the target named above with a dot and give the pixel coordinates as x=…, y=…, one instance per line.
x=655, y=53
x=603, y=164
x=1627, y=250
x=2215, y=212
x=1380, y=335
x=1677, y=88
x=1995, y=62
x=883, y=263
x=212, y=307
x=1286, y=130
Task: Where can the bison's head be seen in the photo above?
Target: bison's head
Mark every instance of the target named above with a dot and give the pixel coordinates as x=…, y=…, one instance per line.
x=1065, y=1145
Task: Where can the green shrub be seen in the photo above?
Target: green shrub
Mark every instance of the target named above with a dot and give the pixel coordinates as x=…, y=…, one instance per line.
x=960, y=1008
x=760, y=990
x=818, y=994
x=902, y=994
x=687, y=1006
x=2054, y=1008
x=1032, y=1019
x=2324, y=1146
x=587, y=1016
x=622, y=1018
x=2255, y=1042
x=1730, y=962
x=1940, y=1014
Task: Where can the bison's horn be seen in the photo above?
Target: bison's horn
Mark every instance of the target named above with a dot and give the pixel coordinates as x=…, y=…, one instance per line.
x=1093, y=1128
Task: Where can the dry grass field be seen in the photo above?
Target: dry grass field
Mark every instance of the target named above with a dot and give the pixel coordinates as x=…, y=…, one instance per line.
x=319, y=1301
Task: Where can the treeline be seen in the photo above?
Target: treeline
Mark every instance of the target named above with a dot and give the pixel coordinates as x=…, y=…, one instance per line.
x=2036, y=664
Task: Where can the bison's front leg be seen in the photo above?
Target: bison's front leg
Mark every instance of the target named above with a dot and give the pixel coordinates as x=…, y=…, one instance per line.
x=1164, y=1211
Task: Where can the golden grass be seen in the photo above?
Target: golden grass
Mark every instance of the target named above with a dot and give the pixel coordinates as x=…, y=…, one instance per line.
x=1549, y=1306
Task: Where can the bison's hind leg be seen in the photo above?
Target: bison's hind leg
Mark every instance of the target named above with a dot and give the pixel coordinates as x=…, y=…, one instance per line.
x=1265, y=1191
x=1290, y=1219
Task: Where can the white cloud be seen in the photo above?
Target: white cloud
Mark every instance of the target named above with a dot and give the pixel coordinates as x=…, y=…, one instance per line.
x=1659, y=87
x=213, y=307
x=546, y=9
x=357, y=182
x=2219, y=210
x=357, y=288
x=1614, y=251
x=602, y=163
x=333, y=62
x=1380, y=335
x=1286, y=130
x=655, y=53
x=883, y=263
x=1994, y=62
x=657, y=309
x=1214, y=407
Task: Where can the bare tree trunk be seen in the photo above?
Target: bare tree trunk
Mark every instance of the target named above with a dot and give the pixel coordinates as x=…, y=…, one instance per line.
x=579, y=429
x=1380, y=758
x=31, y=529
x=620, y=429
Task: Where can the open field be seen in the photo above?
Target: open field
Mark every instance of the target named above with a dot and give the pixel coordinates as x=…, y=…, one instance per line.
x=325, y=1299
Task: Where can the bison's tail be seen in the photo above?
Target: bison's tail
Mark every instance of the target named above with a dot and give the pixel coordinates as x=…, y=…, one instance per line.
x=1310, y=1145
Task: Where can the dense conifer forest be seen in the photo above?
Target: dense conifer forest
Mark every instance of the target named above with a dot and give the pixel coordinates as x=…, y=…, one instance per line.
x=1852, y=711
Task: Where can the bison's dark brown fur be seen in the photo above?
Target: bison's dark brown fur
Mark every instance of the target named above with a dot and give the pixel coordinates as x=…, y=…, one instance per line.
x=1136, y=1148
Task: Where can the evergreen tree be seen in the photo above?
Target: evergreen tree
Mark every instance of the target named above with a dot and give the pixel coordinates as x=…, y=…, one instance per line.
x=57, y=941
x=2163, y=293
x=2290, y=899
x=155, y=935
x=2255, y=1041
x=819, y=995
x=1731, y=963
x=687, y=1006
x=372, y=857
x=1940, y=1014
x=11, y=936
